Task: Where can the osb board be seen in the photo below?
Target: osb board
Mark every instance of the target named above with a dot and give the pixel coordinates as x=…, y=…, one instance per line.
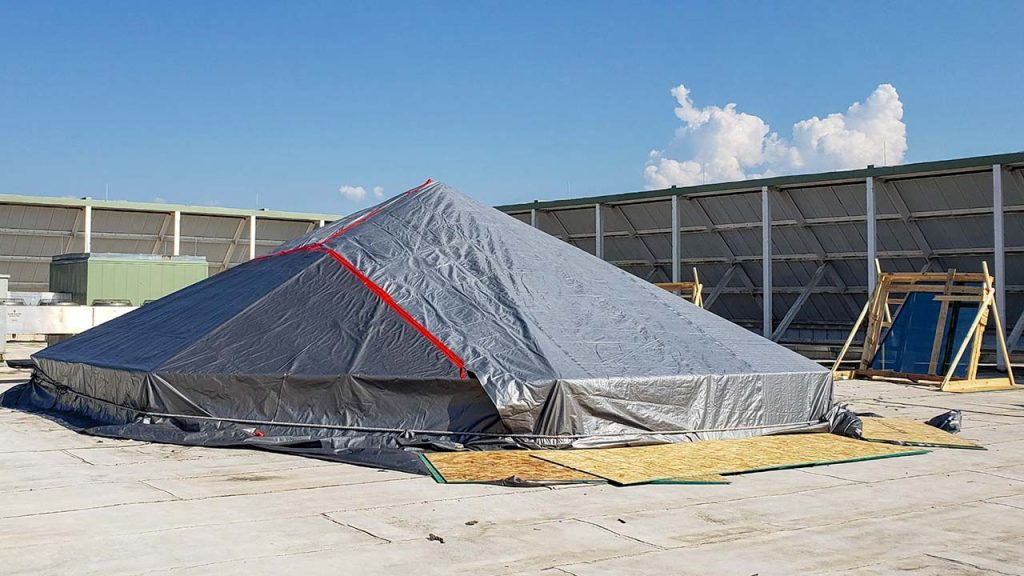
x=694, y=459
x=911, y=433
x=497, y=465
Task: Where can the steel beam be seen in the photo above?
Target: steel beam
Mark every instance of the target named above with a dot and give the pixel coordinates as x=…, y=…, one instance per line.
x=229, y=254
x=787, y=203
x=908, y=217
x=652, y=259
x=149, y=237
x=567, y=237
x=1018, y=329
x=702, y=213
x=766, y=261
x=159, y=243
x=800, y=301
x=720, y=287
x=74, y=231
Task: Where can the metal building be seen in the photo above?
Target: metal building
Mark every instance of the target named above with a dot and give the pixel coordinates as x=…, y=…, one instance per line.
x=810, y=239
x=35, y=228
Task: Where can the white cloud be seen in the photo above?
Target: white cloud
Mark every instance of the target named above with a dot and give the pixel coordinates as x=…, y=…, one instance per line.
x=716, y=144
x=358, y=193
x=353, y=193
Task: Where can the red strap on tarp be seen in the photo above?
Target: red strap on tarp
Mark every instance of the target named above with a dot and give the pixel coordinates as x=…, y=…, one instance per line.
x=383, y=295
x=376, y=289
x=371, y=213
x=346, y=227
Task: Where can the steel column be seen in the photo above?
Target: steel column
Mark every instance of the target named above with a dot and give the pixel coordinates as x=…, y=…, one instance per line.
x=177, y=233
x=598, y=231
x=676, y=247
x=999, y=250
x=252, y=236
x=766, y=261
x=88, y=230
x=533, y=218
x=872, y=236
x=321, y=224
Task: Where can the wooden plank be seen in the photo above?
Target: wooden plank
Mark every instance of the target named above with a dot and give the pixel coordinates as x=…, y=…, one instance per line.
x=979, y=385
x=1001, y=341
x=698, y=292
x=933, y=379
x=641, y=464
x=877, y=316
x=934, y=288
x=853, y=334
x=973, y=298
x=979, y=332
x=935, y=276
x=982, y=310
x=940, y=325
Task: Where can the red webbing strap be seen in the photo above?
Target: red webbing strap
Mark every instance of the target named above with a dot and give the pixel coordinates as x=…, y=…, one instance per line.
x=371, y=214
x=383, y=295
x=345, y=228
x=380, y=292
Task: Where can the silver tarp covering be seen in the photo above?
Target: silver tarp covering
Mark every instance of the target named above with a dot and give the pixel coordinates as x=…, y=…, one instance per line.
x=428, y=320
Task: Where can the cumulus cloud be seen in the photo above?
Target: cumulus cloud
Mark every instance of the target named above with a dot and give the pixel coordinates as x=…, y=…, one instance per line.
x=358, y=193
x=716, y=144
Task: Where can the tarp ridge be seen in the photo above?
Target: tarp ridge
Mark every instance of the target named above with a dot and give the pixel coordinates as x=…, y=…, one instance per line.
x=383, y=295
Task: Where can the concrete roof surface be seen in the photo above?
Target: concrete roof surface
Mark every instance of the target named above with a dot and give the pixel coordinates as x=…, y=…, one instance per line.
x=75, y=504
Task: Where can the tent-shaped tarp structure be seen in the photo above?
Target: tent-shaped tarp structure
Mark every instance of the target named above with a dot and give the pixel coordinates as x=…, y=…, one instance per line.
x=428, y=320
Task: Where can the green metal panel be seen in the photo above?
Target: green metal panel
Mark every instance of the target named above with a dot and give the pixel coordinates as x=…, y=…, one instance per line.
x=133, y=277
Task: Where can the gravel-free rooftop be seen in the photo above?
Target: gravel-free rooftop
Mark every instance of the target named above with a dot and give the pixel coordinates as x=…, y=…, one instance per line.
x=75, y=504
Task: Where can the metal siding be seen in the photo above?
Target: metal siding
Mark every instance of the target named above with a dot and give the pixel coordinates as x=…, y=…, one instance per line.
x=944, y=224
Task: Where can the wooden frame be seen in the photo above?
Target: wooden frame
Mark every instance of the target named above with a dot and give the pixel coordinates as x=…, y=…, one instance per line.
x=893, y=288
x=692, y=291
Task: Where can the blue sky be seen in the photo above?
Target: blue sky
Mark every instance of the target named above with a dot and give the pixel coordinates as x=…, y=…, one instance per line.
x=218, y=102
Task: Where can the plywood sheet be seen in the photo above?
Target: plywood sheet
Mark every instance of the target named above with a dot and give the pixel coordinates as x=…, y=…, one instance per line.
x=911, y=433
x=495, y=465
x=695, y=459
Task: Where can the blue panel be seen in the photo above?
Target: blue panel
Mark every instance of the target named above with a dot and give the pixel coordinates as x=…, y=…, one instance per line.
x=907, y=346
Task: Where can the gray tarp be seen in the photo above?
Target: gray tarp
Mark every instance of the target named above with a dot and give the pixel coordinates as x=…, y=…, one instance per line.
x=426, y=320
